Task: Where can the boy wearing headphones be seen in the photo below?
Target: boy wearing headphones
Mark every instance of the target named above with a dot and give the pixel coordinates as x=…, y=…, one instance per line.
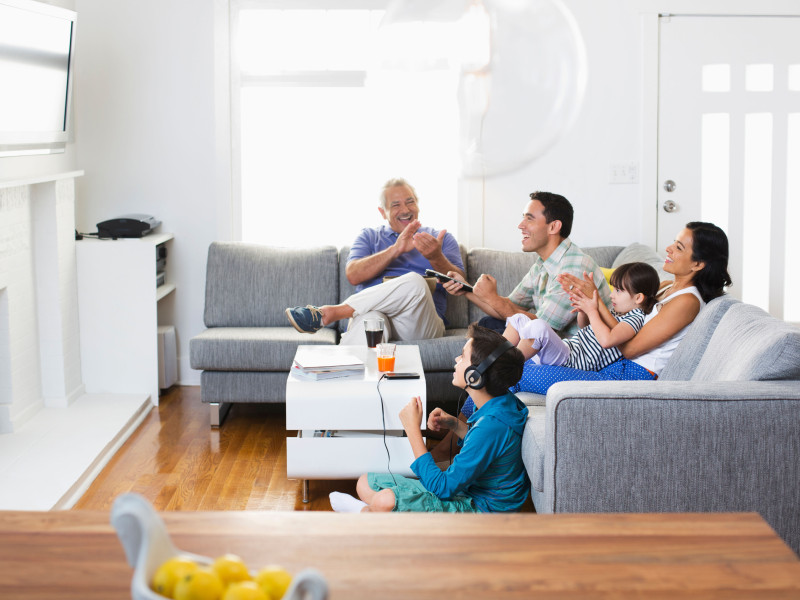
x=487, y=475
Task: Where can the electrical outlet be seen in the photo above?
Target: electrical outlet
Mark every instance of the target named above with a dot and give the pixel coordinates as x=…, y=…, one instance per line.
x=623, y=172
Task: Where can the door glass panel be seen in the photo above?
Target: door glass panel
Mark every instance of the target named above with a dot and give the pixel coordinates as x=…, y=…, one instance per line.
x=791, y=304
x=794, y=78
x=758, y=78
x=757, y=214
x=715, y=168
x=716, y=78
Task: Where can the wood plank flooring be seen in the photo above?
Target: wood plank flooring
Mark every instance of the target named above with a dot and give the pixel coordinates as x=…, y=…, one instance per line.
x=178, y=462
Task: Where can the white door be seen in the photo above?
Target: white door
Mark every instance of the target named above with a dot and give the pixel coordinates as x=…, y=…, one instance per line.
x=729, y=146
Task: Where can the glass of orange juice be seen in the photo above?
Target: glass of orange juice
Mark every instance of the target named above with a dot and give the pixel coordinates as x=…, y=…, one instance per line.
x=386, y=357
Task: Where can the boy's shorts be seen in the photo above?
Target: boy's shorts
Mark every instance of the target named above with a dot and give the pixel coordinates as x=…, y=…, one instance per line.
x=411, y=496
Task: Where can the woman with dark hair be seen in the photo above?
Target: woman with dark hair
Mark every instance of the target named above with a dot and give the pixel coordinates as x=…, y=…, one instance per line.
x=698, y=258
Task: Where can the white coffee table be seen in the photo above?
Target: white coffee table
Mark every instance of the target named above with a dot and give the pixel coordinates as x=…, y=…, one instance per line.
x=351, y=407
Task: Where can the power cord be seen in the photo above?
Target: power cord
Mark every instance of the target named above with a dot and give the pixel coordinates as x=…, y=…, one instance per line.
x=383, y=419
x=96, y=234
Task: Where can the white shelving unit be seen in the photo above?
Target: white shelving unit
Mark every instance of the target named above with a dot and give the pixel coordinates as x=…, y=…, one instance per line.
x=118, y=311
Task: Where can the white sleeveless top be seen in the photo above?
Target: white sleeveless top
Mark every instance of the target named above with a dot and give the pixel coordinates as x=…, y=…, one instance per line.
x=656, y=359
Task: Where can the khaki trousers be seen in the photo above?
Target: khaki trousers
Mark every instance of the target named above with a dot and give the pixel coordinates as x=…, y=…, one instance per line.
x=406, y=306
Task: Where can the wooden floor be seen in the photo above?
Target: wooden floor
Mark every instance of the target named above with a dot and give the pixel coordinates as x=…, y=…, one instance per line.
x=178, y=462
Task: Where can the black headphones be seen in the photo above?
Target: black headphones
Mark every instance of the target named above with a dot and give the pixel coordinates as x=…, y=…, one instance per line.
x=473, y=376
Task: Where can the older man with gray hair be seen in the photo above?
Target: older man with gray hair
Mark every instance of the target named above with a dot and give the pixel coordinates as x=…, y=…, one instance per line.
x=387, y=265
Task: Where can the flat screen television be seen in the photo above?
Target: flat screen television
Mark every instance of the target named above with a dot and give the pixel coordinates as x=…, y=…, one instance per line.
x=36, y=56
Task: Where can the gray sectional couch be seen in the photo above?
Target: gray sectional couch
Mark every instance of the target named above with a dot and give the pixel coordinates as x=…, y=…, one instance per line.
x=247, y=349
x=719, y=431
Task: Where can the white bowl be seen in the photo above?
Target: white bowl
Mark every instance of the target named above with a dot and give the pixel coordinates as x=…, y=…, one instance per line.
x=147, y=545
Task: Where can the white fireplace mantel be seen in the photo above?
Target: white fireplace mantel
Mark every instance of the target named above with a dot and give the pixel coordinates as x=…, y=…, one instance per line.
x=54, y=437
x=34, y=179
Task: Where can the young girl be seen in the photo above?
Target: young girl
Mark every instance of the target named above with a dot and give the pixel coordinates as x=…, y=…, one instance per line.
x=633, y=294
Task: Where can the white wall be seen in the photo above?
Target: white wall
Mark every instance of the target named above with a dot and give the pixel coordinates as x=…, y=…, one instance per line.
x=607, y=131
x=146, y=126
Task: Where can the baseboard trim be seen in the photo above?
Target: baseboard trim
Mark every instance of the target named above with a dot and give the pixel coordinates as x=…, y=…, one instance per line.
x=78, y=489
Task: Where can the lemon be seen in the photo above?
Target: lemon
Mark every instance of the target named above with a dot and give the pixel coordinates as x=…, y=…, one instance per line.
x=230, y=569
x=244, y=590
x=202, y=584
x=274, y=581
x=170, y=572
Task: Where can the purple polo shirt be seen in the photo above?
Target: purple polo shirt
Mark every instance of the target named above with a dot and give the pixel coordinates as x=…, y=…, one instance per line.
x=372, y=240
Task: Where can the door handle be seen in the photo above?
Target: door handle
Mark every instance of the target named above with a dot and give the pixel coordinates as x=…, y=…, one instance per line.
x=669, y=185
x=670, y=206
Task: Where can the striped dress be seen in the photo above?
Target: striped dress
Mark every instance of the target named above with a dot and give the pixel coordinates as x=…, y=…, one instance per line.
x=586, y=353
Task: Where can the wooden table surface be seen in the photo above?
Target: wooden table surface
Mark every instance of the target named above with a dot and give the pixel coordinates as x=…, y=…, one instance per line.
x=76, y=554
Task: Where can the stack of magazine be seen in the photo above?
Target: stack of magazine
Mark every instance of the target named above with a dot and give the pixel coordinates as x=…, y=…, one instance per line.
x=318, y=364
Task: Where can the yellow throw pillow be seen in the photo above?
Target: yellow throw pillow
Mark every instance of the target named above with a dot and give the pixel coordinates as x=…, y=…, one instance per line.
x=607, y=273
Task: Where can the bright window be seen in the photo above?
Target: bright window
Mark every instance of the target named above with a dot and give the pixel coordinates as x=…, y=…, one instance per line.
x=315, y=138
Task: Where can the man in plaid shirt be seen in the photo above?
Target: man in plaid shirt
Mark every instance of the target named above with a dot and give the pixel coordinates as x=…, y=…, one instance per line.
x=545, y=226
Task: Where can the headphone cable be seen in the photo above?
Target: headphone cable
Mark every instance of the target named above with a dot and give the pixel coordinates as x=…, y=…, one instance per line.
x=383, y=419
x=461, y=398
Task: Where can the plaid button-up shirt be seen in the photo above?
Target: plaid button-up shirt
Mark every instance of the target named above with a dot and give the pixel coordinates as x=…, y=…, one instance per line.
x=540, y=292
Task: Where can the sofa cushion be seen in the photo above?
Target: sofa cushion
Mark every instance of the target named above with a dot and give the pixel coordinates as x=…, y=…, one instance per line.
x=251, y=285
x=531, y=399
x=242, y=386
x=641, y=253
x=251, y=348
x=687, y=355
x=439, y=354
x=457, y=313
x=533, y=445
x=750, y=345
x=508, y=268
x=346, y=289
x=604, y=256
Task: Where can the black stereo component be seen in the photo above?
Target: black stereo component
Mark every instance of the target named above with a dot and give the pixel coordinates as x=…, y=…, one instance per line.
x=127, y=226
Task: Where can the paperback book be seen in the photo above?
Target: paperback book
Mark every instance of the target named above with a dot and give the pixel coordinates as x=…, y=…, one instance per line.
x=320, y=374
x=313, y=359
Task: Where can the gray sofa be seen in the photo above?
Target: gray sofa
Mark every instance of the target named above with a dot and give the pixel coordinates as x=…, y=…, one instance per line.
x=247, y=349
x=718, y=432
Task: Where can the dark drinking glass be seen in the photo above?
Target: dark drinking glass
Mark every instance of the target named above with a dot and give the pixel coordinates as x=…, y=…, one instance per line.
x=374, y=337
x=373, y=327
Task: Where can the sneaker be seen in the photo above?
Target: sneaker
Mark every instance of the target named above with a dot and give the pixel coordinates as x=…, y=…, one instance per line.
x=306, y=319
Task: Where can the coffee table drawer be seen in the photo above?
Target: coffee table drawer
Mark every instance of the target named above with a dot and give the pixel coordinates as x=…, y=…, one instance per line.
x=350, y=407
x=346, y=457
